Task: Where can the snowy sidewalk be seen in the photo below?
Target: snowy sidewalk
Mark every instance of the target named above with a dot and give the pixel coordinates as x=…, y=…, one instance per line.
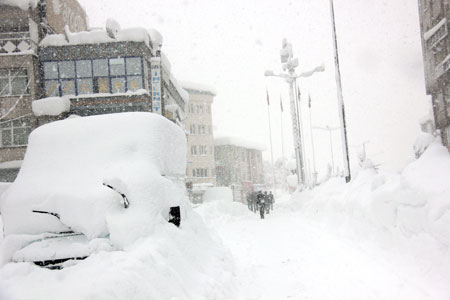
x=287, y=257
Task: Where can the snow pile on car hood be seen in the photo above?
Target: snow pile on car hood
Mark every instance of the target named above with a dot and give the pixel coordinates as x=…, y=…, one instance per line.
x=67, y=162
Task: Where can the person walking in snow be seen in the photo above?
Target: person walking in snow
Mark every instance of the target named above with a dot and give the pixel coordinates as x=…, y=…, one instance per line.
x=262, y=204
x=266, y=201
x=254, y=202
x=271, y=200
x=249, y=201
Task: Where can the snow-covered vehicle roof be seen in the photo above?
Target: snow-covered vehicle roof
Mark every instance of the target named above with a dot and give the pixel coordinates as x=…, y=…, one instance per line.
x=69, y=165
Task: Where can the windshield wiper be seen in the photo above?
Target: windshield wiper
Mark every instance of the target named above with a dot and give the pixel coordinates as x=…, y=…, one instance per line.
x=126, y=203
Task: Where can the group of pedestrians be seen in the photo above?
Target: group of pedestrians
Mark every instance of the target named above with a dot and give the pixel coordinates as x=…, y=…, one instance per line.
x=260, y=201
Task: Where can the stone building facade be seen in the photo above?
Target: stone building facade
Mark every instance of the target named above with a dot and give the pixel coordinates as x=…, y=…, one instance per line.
x=46, y=52
x=239, y=165
x=22, y=27
x=434, y=24
x=201, y=168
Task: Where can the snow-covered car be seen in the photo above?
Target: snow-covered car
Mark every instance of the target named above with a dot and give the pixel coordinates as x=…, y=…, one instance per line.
x=93, y=183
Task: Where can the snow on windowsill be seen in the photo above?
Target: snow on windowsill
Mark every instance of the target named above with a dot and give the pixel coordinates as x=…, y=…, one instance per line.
x=52, y=106
x=26, y=52
x=13, y=164
x=139, y=92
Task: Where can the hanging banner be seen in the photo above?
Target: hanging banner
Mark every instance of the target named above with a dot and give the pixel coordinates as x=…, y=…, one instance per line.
x=155, y=65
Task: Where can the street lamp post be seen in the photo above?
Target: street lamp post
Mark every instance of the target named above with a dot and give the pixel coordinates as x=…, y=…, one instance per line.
x=289, y=63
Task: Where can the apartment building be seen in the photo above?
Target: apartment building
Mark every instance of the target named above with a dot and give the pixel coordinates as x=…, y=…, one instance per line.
x=49, y=58
x=434, y=18
x=23, y=24
x=239, y=165
x=201, y=168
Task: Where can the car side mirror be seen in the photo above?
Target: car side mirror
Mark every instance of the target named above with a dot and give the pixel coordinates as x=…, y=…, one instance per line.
x=175, y=216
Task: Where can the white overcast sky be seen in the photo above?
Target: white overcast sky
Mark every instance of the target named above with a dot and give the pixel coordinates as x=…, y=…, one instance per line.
x=229, y=44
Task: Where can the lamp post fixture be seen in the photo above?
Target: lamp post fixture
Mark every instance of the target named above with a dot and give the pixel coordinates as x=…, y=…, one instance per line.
x=289, y=63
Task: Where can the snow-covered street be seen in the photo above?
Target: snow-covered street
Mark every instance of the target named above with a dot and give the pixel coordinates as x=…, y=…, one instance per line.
x=288, y=256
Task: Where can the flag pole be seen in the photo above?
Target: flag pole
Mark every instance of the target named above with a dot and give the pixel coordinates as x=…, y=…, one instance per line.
x=314, y=172
x=300, y=129
x=282, y=134
x=271, y=146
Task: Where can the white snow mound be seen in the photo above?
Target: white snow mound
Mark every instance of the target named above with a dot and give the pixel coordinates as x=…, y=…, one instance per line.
x=67, y=162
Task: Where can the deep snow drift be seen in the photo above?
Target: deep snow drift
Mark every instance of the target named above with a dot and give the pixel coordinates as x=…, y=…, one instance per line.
x=136, y=252
x=382, y=236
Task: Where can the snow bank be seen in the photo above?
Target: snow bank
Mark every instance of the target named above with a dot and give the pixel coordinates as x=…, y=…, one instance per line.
x=422, y=142
x=218, y=207
x=137, y=254
x=22, y=4
x=68, y=161
x=409, y=212
x=218, y=193
x=52, y=106
x=173, y=263
x=237, y=141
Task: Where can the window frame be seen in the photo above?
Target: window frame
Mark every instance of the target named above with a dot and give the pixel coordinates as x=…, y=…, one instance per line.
x=94, y=78
x=13, y=73
x=25, y=124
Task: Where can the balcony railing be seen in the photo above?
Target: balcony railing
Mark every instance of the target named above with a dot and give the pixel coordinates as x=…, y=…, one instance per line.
x=16, y=42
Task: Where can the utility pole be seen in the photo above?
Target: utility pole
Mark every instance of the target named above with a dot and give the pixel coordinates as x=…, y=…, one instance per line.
x=289, y=63
x=340, y=98
x=314, y=172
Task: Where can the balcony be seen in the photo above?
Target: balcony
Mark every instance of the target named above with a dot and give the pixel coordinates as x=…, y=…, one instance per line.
x=16, y=43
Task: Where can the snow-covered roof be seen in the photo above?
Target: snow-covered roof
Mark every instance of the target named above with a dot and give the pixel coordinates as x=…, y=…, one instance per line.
x=22, y=4
x=198, y=87
x=97, y=37
x=52, y=106
x=237, y=141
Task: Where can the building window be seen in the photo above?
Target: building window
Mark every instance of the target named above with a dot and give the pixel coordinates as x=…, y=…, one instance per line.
x=243, y=156
x=192, y=129
x=15, y=133
x=200, y=108
x=193, y=150
x=201, y=129
x=208, y=108
x=203, y=150
x=13, y=82
x=200, y=172
x=81, y=77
